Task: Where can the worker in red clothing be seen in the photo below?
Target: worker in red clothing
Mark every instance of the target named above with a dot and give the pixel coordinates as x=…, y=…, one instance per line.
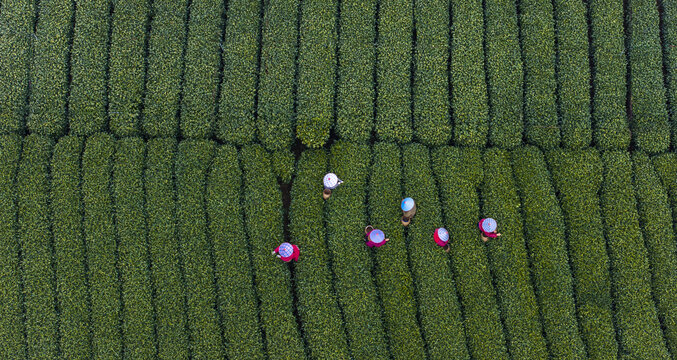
x=374, y=237
x=441, y=236
x=488, y=229
x=287, y=252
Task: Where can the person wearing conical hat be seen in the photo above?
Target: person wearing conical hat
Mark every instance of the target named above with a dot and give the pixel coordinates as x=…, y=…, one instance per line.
x=488, y=228
x=287, y=252
x=331, y=181
x=374, y=237
x=408, y=207
x=441, y=236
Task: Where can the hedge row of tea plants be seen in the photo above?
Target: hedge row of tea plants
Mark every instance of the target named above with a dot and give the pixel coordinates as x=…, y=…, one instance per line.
x=165, y=257
x=573, y=73
x=393, y=71
x=89, y=66
x=432, y=120
x=192, y=162
x=650, y=124
x=235, y=122
x=508, y=259
x=49, y=77
x=392, y=274
x=357, y=57
x=101, y=247
x=610, y=127
x=468, y=81
x=317, y=61
x=165, y=67
x=577, y=178
x=546, y=242
x=263, y=217
x=458, y=172
x=317, y=304
x=639, y=331
x=438, y=306
x=654, y=210
x=666, y=168
x=504, y=83
x=669, y=16
x=282, y=162
x=236, y=298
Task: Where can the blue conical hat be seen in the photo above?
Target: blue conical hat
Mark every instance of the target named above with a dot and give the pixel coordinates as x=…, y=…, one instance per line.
x=286, y=249
x=489, y=225
x=407, y=204
x=443, y=234
x=377, y=236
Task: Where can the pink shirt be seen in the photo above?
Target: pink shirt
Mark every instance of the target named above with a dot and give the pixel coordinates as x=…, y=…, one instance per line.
x=372, y=244
x=294, y=255
x=491, y=234
x=439, y=241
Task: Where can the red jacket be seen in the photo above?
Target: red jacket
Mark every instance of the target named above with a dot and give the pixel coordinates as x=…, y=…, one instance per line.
x=486, y=234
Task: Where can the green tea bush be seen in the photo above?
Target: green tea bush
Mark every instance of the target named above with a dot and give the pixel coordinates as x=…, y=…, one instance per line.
x=101, y=248
x=12, y=327
x=263, y=217
x=192, y=162
x=432, y=124
x=458, y=172
x=355, y=90
x=69, y=248
x=538, y=52
x=165, y=257
x=654, y=216
x=669, y=30
x=504, y=83
x=346, y=217
x=16, y=45
x=650, y=126
x=282, y=162
x=577, y=177
x=666, y=168
x=165, y=67
x=130, y=224
x=393, y=71
x=393, y=277
x=316, y=70
x=610, y=127
x=508, y=259
x=235, y=121
x=545, y=237
x=37, y=247
x=201, y=68
x=438, y=306
x=89, y=62
x=317, y=303
x=236, y=298
x=573, y=73
x=127, y=66
x=49, y=77
x=639, y=331
x=468, y=81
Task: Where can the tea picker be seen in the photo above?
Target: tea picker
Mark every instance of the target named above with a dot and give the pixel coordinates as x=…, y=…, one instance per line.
x=287, y=252
x=374, y=237
x=488, y=228
x=408, y=210
x=331, y=181
x=441, y=236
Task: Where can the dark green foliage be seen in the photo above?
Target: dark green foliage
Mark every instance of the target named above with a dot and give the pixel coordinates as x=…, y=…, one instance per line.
x=438, y=306
x=166, y=276
x=69, y=248
x=393, y=277
x=538, y=51
x=639, y=331
x=504, y=83
x=236, y=299
x=49, y=78
x=89, y=58
x=263, y=217
x=235, y=122
x=12, y=330
x=317, y=303
x=356, y=51
x=431, y=82
x=101, y=250
x=666, y=168
x=165, y=64
x=37, y=248
x=395, y=43
x=669, y=30
x=545, y=237
x=573, y=73
x=316, y=71
x=459, y=173
x=192, y=163
x=346, y=218
x=655, y=217
x=282, y=162
x=610, y=126
x=509, y=264
x=130, y=223
x=468, y=81
x=577, y=177
x=126, y=73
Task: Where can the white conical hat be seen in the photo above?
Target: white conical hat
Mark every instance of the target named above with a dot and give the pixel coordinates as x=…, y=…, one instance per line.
x=489, y=225
x=407, y=204
x=331, y=181
x=442, y=234
x=286, y=250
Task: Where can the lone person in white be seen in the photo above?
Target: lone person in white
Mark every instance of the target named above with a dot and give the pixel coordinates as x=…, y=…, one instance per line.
x=331, y=181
